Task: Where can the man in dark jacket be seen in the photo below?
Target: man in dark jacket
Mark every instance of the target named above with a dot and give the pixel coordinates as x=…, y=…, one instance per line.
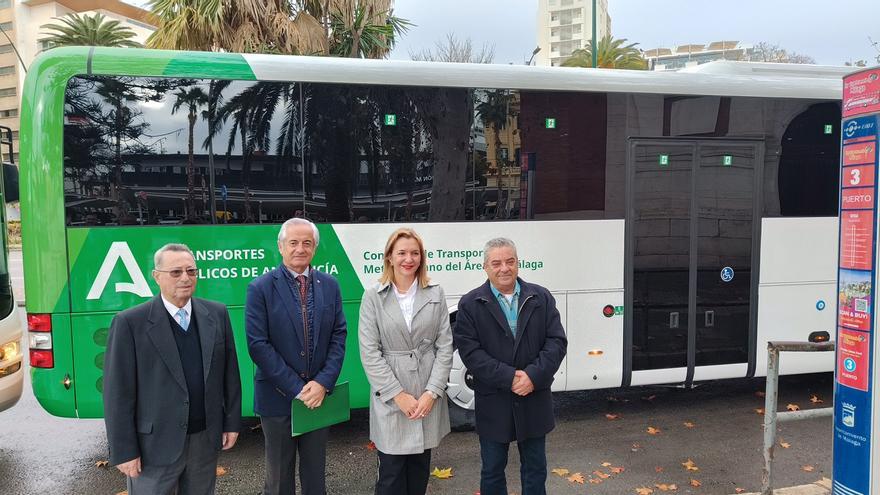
x=510, y=337
x=172, y=393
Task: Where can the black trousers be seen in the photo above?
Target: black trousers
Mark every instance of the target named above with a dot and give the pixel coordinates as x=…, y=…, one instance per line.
x=403, y=474
x=281, y=450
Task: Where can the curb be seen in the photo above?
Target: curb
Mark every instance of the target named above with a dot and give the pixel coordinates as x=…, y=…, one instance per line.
x=821, y=487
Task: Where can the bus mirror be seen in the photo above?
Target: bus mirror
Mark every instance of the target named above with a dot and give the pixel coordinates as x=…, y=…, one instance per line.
x=10, y=182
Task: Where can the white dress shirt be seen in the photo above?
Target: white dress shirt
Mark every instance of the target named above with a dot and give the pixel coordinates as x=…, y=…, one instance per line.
x=172, y=310
x=406, y=301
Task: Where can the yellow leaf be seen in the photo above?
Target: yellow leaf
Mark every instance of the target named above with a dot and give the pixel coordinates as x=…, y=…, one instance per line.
x=663, y=487
x=760, y=410
x=560, y=471
x=616, y=470
x=576, y=478
x=221, y=471
x=595, y=481
x=784, y=445
x=612, y=417
x=442, y=473
x=808, y=468
x=601, y=474
x=696, y=483
x=690, y=466
x=635, y=447
x=123, y=493
x=644, y=491
x=101, y=463
x=688, y=424
x=606, y=464
x=815, y=399
x=740, y=490
x=653, y=431
x=793, y=407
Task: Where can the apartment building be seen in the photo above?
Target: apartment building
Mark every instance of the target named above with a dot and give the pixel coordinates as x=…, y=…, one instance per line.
x=567, y=25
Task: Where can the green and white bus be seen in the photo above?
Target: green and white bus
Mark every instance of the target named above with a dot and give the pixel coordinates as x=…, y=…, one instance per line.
x=681, y=220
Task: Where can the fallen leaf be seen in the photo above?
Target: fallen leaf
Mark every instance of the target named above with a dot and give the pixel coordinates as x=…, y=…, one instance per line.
x=602, y=475
x=690, y=466
x=576, y=478
x=663, y=487
x=740, y=490
x=808, y=468
x=635, y=447
x=696, y=483
x=371, y=446
x=658, y=469
x=644, y=491
x=815, y=399
x=784, y=445
x=595, y=481
x=617, y=470
x=612, y=417
x=760, y=393
x=688, y=424
x=649, y=398
x=560, y=471
x=653, y=431
x=221, y=471
x=442, y=473
x=101, y=463
x=793, y=407
x=122, y=493
x=606, y=464
x=760, y=410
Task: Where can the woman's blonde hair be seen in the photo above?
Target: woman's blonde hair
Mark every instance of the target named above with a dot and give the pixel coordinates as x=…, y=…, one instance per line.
x=388, y=271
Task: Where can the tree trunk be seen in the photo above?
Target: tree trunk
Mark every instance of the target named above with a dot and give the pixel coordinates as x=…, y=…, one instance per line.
x=450, y=110
x=191, y=170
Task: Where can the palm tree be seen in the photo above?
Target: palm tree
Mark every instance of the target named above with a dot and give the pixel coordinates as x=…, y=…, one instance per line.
x=494, y=111
x=611, y=54
x=193, y=99
x=85, y=30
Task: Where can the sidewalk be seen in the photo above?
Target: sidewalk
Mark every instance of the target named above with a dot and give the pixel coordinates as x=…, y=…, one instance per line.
x=821, y=487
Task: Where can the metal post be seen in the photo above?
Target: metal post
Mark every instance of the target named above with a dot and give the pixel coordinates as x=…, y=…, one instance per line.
x=770, y=418
x=594, y=49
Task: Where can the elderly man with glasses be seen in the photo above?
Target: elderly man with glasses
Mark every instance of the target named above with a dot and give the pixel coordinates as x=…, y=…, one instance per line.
x=172, y=392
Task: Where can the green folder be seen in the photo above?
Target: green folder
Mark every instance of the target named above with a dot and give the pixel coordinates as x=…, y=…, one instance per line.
x=333, y=410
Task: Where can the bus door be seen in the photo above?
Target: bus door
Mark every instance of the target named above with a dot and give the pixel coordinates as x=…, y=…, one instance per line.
x=692, y=233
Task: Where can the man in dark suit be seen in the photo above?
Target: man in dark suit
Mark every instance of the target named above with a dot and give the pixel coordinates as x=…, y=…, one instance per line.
x=172, y=393
x=510, y=338
x=296, y=336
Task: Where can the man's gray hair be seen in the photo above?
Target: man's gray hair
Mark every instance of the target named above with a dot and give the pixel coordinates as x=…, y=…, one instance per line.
x=172, y=247
x=298, y=221
x=495, y=243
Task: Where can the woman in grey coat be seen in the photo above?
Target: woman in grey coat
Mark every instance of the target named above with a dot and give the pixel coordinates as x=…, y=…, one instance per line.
x=406, y=351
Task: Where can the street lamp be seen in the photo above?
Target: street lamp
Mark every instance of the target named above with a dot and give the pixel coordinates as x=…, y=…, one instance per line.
x=534, y=52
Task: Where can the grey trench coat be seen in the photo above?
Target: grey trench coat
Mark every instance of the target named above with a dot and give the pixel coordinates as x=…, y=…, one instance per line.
x=396, y=360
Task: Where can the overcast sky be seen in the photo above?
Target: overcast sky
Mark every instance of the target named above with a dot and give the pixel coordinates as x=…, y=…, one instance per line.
x=821, y=29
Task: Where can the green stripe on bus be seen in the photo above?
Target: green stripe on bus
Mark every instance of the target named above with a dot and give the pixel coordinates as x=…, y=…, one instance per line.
x=169, y=63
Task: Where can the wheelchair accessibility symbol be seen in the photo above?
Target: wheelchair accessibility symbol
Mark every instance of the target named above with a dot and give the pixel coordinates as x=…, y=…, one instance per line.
x=849, y=364
x=726, y=274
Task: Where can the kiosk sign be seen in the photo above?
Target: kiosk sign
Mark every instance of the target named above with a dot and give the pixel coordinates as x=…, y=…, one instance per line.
x=856, y=287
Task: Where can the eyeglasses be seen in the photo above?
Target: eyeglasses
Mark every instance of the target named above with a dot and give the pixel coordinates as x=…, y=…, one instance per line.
x=177, y=272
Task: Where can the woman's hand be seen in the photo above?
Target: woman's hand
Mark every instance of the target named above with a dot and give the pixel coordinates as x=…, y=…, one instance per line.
x=407, y=404
x=424, y=406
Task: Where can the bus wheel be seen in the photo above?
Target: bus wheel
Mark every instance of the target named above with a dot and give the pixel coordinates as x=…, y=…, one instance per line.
x=460, y=392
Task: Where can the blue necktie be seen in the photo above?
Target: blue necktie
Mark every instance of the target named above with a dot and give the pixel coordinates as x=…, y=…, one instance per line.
x=184, y=321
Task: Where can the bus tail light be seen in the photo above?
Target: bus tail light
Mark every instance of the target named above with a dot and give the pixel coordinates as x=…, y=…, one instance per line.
x=40, y=340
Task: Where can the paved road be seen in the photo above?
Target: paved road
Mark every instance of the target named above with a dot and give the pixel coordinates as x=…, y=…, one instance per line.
x=43, y=454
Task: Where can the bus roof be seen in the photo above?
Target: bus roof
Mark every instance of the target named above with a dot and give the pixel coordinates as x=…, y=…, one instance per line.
x=822, y=84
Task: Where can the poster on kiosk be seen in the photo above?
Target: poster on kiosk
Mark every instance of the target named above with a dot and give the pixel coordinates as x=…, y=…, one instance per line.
x=856, y=440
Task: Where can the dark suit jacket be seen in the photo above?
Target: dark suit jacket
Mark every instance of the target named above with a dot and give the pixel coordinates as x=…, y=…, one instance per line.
x=275, y=339
x=492, y=355
x=146, y=403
